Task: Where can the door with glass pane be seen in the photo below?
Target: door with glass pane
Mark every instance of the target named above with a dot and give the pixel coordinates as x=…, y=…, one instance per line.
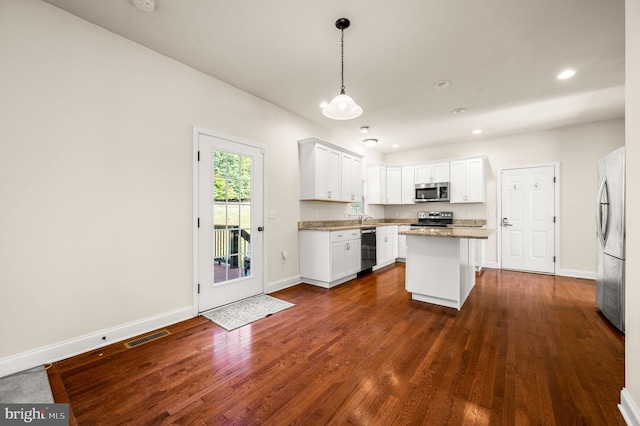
x=230, y=210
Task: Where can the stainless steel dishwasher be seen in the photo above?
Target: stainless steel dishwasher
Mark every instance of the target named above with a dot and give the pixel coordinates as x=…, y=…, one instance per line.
x=368, y=252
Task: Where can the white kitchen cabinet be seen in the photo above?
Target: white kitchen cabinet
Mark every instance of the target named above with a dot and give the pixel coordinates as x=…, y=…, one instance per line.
x=329, y=258
x=345, y=258
x=402, y=242
x=431, y=173
x=467, y=184
x=408, y=185
x=377, y=183
x=384, y=184
x=386, y=245
x=440, y=270
x=351, y=178
x=394, y=185
x=479, y=258
x=320, y=165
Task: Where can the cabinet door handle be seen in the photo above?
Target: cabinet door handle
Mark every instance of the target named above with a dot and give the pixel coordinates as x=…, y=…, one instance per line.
x=348, y=246
x=328, y=194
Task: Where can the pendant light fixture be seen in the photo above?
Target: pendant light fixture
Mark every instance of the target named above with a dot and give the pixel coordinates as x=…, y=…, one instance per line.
x=342, y=107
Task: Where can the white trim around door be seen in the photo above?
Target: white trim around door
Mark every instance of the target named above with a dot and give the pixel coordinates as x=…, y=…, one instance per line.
x=556, y=225
x=257, y=222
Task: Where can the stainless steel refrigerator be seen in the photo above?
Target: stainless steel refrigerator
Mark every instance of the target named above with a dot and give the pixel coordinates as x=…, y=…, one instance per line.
x=610, y=230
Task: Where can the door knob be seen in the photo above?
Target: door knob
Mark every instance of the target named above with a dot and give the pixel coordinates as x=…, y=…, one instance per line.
x=260, y=228
x=505, y=222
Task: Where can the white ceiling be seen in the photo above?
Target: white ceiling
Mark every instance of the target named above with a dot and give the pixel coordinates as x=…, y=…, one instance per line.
x=501, y=55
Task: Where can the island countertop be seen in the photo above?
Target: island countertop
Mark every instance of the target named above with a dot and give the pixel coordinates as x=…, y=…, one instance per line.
x=455, y=232
x=341, y=225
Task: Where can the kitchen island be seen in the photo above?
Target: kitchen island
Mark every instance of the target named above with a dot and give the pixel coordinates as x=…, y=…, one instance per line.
x=441, y=264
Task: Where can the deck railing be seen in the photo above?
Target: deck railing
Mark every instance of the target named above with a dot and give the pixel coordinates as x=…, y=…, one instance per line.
x=228, y=244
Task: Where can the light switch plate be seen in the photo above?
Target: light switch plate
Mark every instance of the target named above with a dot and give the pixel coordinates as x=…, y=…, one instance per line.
x=272, y=214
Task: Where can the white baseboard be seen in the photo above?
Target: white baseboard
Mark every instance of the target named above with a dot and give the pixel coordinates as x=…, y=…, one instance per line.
x=575, y=273
x=589, y=275
x=629, y=409
x=89, y=342
x=282, y=284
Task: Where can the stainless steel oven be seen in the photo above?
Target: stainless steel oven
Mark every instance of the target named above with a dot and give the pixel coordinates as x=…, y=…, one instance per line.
x=433, y=220
x=368, y=251
x=426, y=192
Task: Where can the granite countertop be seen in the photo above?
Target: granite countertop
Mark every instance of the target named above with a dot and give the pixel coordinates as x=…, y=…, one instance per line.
x=454, y=232
x=341, y=225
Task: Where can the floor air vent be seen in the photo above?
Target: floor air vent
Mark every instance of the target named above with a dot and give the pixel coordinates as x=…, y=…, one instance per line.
x=147, y=339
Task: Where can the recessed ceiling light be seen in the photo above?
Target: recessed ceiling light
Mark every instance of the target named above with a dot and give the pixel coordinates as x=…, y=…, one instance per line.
x=370, y=142
x=477, y=131
x=145, y=5
x=324, y=105
x=459, y=111
x=395, y=145
x=364, y=129
x=566, y=74
x=442, y=84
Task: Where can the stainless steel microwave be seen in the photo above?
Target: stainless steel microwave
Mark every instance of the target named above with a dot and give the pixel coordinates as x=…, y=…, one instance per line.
x=426, y=192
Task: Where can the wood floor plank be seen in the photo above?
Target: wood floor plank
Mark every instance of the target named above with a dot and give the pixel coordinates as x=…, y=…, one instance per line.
x=524, y=349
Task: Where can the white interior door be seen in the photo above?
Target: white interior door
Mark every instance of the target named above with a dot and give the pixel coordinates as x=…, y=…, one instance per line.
x=528, y=219
x=230, y=216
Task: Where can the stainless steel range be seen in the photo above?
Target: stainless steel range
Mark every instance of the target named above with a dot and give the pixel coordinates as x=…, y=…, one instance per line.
x=433, y=219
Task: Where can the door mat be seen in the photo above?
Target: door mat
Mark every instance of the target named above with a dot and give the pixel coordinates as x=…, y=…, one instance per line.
x=246, y=311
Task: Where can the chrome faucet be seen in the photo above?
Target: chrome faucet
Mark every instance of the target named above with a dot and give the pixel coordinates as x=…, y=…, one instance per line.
x=364, y=218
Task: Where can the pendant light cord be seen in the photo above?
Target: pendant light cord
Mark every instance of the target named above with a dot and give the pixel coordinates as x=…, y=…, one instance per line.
x=342, y=60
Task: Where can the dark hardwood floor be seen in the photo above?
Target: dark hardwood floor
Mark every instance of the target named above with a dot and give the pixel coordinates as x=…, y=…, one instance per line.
x=525, y=349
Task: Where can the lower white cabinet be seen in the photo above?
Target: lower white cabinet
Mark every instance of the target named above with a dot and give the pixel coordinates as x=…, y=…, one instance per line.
x=440, y=269
x=386, y=245
x=329, y=258
x=402, y=242
x=479, y=258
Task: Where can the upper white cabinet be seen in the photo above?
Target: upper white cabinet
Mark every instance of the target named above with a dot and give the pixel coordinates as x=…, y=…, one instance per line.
x=408, y=184
x=467, y=181
x=394, y=185
x=351, y=178
x=377, y=183
x=321, y=174
x=430, y=173
x=384, y=184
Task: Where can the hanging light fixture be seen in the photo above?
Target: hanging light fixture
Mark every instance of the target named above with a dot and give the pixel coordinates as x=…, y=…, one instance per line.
x=342, y=107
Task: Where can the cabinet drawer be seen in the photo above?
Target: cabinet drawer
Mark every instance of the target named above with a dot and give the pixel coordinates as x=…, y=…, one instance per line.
x=347, y=234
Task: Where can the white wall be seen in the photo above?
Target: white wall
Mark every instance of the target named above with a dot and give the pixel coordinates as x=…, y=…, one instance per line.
x=96, y=177
x=631, y=394
x=577, y=149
